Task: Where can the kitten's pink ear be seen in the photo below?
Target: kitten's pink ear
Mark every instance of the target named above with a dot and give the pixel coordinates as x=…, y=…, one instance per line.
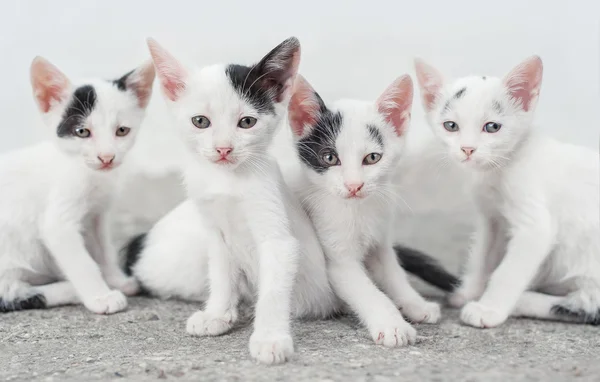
x=171, y=73
x=524, y=82
x=50, y=85
x=395, y=104
x=140, y=82
x=304, y=107
x=430, y=82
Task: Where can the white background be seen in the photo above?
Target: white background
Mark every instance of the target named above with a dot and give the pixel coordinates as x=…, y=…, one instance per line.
x=350, y=48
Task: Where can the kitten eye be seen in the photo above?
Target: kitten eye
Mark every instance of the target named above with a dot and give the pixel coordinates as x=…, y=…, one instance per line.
x=123, y=131
x=201, y=121
x=451, y=126
x=330, y=159
x=82, y=133
x=246, y=122
x=491, y=127
x=371, y=158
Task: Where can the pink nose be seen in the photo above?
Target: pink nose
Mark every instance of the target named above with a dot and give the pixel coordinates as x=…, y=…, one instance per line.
x=468, y=150
x=106, y=159
x=354, y=187
x=224, y=151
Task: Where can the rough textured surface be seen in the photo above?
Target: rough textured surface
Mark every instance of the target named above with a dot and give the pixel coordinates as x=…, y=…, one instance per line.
x=149, y=341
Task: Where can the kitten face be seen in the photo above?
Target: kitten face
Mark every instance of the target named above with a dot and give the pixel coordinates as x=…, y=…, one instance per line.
x=350, y=149
x=227, y=115
x=95, y=122
x=481, y=120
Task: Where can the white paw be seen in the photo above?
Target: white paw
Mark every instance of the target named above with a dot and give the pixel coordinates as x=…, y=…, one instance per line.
x=206, y=324
x=423, y=312
x=394, y=334
x=112, y=302
x=127, y=285
x=480, y=316
x=271, y=347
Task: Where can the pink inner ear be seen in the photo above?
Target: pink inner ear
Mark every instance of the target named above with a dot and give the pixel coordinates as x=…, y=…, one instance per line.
x=430, y=83
x=304, y=107
x=169, y=70
x=524, y=82
x=141, y=83
x=395, y=104
x=49, y=84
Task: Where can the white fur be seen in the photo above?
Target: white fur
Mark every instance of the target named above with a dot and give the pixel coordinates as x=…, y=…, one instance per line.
x=538, y=202
x=53, y=210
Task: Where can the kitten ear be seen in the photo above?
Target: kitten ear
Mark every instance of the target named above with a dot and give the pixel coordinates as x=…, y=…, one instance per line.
x=50, y=85
x=524, y=82
x=140, y=81
x=171, y=73
x=279, y=67
x=304, y=108
x=396, y=102
x=430, y=82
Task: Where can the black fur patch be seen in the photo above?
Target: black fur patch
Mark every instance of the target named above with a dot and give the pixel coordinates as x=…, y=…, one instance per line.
x=121, y=83
x=484, y=78
x=246, y=82
x=496, y=105
x=460, y=93
x=375, y=134
x=133, y=251
x=37, y=301
x=577, y=315
x=426, y=268
x=322, y=136
x=81, y=106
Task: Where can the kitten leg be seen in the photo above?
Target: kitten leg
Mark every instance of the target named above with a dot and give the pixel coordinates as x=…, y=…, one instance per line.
x=581, y=306
x=67, y=247
x=107, y=257
x=58, y=294
x=383, y=320
x=220, y=312
x=392, y=279
x=484, y=255
x=530, y=245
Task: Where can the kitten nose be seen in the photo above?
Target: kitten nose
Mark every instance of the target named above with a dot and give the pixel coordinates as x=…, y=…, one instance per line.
x=468, y=150
x=106, y=158
x=224, y=151
x=354, y=187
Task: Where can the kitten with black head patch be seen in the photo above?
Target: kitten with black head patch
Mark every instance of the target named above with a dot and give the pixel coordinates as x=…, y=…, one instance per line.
x=241, y=219
x=348, y=152
x=55, y=248
x=536, y=249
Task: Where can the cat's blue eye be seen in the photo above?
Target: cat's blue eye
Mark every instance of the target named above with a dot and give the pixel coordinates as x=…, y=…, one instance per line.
x=122, y=131
x=82, y=132
x=491, y=127
x=451, y=126
x=247, y=122
x=201, y=121
x=330, y=159
x=371, y=159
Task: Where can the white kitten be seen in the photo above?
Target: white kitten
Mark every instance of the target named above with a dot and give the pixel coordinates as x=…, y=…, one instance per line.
x=536, y=251
x=348, y=153
x=55, y=247
x=227, y=116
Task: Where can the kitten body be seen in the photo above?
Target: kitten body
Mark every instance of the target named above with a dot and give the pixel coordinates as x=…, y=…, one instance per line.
x=55, y=247
x=536, y=250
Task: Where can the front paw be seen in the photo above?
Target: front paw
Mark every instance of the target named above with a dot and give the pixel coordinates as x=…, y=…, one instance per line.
x=395, y=333
x=481, y=316
x=271, y=347
x=422, y=312
x=112, y=302
x=128, y=285
x=203, y=323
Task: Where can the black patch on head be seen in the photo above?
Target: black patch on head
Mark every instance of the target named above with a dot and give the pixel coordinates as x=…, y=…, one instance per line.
x=121, y=83
x=460, y=93
x=496, y=105
x=457, y=95
x=246, y=82
x=577, y=315
x=80, y=107
x=375, y=134
x=322, y=136
x=37, y=301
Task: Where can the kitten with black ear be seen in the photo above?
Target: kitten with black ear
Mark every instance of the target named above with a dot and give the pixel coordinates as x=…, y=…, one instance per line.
x=227, y=116
x=55, y=247
x=348, y=152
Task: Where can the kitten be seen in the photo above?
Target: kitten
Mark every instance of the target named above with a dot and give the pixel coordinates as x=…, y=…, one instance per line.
x=536, y=250
x=55, y=248
x=348, y=153
x=246, y=225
